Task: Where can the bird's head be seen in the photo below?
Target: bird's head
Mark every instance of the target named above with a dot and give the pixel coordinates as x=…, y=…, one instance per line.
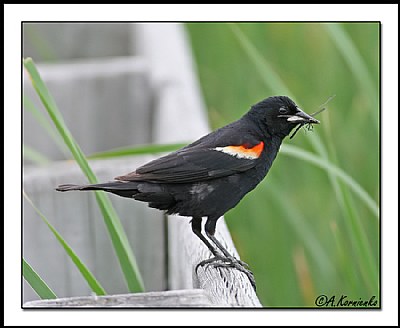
x=279, y=115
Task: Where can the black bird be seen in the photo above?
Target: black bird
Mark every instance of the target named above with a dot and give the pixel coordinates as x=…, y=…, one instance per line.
x=211, y=175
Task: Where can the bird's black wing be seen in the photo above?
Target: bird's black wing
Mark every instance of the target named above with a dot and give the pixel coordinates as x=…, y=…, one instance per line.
x=195, y=164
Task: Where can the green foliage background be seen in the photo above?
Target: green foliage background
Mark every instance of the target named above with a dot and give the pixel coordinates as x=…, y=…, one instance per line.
x=302, y=231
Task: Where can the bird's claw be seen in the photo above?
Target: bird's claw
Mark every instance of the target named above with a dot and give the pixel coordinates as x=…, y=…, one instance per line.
x=212, y=260
x=243, y=264
x=228, y=262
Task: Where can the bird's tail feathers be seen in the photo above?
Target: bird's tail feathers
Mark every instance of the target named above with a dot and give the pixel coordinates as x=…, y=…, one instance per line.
x=124, y=189
x=99, y=186
x=69, y=187
x=144, y=192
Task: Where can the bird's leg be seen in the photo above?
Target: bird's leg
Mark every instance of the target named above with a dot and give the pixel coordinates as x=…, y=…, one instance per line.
x=210, y=232
x=228, y=260
x=196, y=228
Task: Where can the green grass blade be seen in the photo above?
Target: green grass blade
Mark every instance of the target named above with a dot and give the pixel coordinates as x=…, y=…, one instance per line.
x=355, y=226
x=267, y=72
x=44, y=123
x=356, y=64
x=138, y=150
x=334, y=170
x=87, y=275
x=269, y=76
x=273, y=81
x=369, y=271
x=34, y=156
x=36, y=282
x=56, y=117
x=302, y=229
x=320, y=148
x=117, y=234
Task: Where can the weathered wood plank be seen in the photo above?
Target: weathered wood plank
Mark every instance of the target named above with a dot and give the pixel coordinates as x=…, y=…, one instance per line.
x=69, y=41
x=79, y=221
x=167, y=299
x=180, y=113
x=106, y=103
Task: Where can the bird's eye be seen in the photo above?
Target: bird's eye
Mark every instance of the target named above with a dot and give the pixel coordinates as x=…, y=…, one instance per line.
x=283, y=110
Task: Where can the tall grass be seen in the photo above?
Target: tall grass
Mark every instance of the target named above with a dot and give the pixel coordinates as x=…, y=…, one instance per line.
x=87, y=275
x=324, y=221
x=36, y=282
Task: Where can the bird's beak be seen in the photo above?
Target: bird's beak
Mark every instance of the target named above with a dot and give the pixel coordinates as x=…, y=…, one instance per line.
x=301, y=117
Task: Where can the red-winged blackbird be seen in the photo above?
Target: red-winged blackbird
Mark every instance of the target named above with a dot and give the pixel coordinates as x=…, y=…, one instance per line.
x=211, y=175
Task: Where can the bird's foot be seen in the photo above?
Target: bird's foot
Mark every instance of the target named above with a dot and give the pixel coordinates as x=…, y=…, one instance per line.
x=219, y=261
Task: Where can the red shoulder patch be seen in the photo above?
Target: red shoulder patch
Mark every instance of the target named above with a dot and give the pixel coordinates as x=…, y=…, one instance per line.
x=243, y=151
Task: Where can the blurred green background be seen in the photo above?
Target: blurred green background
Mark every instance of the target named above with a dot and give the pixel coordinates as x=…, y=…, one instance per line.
x=303, y=231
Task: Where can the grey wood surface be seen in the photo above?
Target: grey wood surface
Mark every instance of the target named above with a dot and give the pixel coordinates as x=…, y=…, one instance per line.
x=77, y=217
x=180, y=113
x=94, y=96
x=68, y=40
x=191, y=298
